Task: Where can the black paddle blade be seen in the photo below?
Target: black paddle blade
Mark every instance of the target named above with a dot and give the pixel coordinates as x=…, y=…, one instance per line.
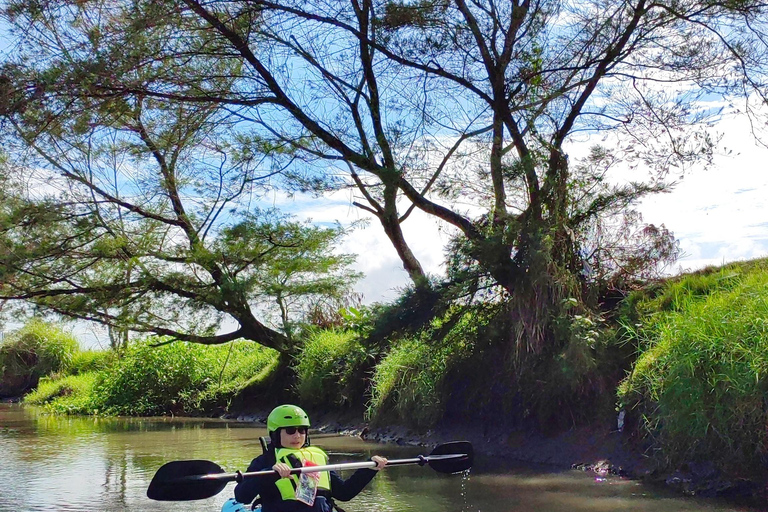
x=452, y=465
x=175, y=481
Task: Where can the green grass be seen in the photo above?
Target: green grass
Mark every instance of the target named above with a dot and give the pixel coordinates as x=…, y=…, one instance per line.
x=698, y=388
x=328, y=368
x=406, y=385
x=84, y=361
x=410, y=384
x=34, y=351
x=238, y=366
x=72, y=394
x=175, y=378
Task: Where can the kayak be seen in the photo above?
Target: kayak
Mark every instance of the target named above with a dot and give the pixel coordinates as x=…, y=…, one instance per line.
x=235, y=506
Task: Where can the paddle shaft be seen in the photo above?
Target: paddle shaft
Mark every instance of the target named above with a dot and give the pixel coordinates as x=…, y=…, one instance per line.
x=185, y=480
x=236, y=477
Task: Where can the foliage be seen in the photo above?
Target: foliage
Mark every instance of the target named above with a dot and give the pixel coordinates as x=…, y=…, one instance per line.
x=415, y=104
x=484, y=376
x=408, y=384
x=303, y=271
x=328, y=369
x=70, y=394
x=88, y=361
x=137, y=212
x=283, y=265
x=240, y=366
x=240, y=362
x=347, y=312
x=616, y=247
x=149, y=381
x=674, y=294
x=357, y=319
x=411, y=312
x=32, y=352
x=568, y=387
x=414, y=381
x=697, y=390
x=155, y=379
x=405, y=385
x=177, y=377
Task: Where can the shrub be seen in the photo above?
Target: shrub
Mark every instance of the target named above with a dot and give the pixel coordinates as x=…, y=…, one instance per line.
x=566, y=387
x=152, y=380
x=34, y=351
x=179, y=377
x=699, y=388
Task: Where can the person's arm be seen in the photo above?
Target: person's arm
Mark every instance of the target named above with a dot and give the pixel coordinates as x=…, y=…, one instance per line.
x=345, y=490
x=247, y=490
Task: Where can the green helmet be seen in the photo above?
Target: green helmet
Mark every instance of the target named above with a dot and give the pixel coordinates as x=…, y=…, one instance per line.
x=287, y=416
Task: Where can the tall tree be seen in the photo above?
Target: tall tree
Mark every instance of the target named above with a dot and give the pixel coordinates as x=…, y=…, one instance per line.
x=463, y=110
x=136, y=212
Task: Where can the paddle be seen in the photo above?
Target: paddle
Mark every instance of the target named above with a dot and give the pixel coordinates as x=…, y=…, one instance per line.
x=185, y=480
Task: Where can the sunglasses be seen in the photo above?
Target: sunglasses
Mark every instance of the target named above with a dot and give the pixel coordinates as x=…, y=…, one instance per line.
x=292, y=430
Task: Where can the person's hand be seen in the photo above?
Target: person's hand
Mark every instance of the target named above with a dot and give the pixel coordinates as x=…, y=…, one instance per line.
x=380, y=462
x=284, y=470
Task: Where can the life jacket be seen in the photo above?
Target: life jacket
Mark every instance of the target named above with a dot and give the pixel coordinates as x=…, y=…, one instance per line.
x=270, y=451
x=287, y=486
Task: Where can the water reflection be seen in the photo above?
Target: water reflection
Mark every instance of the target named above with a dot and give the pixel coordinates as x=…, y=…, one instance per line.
x=89, y=464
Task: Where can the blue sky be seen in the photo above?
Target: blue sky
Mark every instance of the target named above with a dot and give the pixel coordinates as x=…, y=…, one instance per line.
x=718, y=215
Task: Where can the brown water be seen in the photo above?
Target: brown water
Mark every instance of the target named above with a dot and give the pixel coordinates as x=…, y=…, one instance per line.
x=96, y=464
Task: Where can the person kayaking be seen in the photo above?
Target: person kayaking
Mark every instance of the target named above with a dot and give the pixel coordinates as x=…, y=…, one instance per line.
x=288, y=427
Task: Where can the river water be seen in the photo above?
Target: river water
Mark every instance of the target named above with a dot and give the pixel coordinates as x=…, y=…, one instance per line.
x=105, y=464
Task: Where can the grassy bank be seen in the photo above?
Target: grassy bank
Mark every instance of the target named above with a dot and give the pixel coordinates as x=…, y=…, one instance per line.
x=152, y=378
x=685, y=360
x=34, y=352
x=698, y=389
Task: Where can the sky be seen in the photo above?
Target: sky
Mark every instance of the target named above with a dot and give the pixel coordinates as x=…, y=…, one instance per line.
x=717, y=214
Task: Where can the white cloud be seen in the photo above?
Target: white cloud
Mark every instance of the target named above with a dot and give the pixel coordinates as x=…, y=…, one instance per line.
x=719, y=214
x=376, y=257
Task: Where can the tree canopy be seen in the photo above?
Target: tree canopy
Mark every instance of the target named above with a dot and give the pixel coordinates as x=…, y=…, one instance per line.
x=138, y=213
x=462, y=109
